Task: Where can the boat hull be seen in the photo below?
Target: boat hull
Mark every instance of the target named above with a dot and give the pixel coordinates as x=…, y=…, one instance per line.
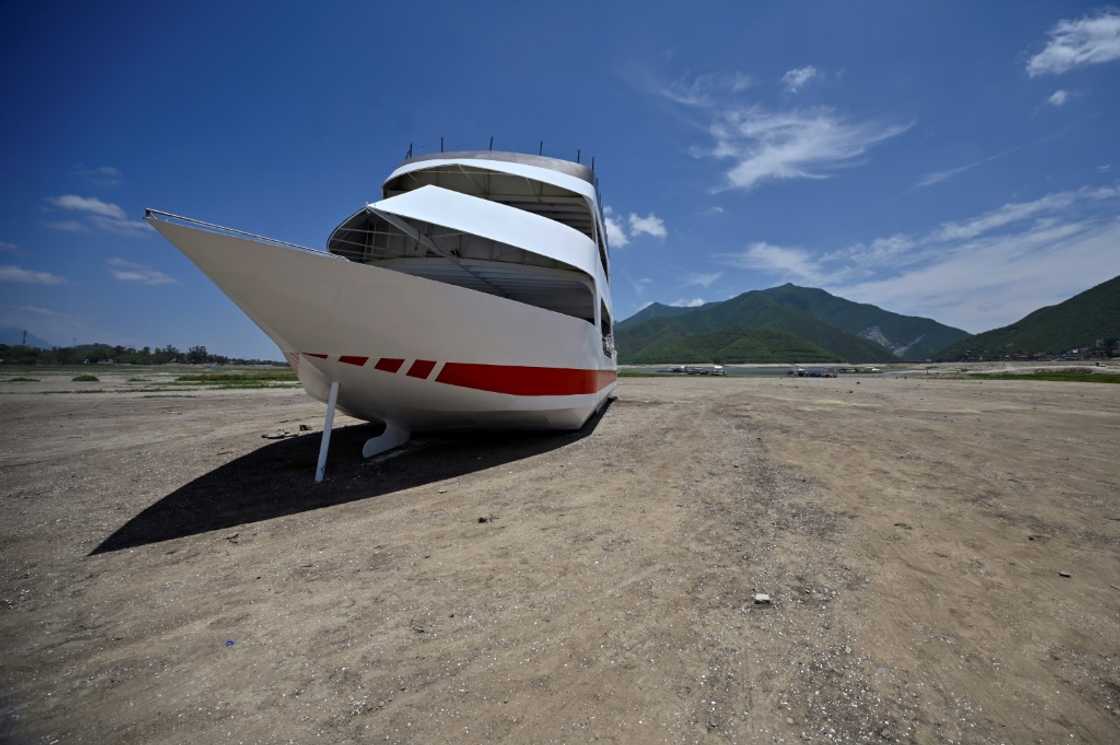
x=423, y=354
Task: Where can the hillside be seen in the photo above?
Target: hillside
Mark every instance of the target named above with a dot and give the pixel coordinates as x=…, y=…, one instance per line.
x=1077, y=322
x=752, y=327
x=908, y=337
x=811, y=325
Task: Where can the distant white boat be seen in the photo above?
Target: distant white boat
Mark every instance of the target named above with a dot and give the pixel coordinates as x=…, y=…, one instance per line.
x=474, y=294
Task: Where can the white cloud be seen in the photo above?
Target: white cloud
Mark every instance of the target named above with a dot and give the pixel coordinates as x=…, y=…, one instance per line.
x=702, y=279
x=1104, y=168
x=12, y=273
x=766, y=146
x=704, y=90
x=8, y=248
x=685, y=302
x=98, y=214
x=1089, y=40
x=651, y=224
x=616, y=234
x=128, y=271
x=122, y=227
x=1017, y=211
x=794, y=79
x=1058, y=98
x=87, y=205
x=101, y=175
x=977, y=273
x=784, y=261
x=714, y=210
x=990, y=282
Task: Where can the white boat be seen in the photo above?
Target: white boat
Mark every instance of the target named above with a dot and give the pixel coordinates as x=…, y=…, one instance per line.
x=474, y=294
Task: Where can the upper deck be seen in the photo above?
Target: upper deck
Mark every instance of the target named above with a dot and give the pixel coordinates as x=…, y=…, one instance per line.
x=577, y=170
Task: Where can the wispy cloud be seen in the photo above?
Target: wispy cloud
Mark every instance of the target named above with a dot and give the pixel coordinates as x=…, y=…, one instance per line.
x=98, y=215
x=795, y=79
x=8, y=248
x=101, y=175
x=765, y=146
x=687, y=302
x=128, y=271
x=87, y=205
x=977, y=273
x=703, y=279
x=784, y=261
x=1058, y=98
x=11, y=273
x=1090, y=40
x=937, y=177
x=703, y=90
x=1014, y=212
x=993, y=281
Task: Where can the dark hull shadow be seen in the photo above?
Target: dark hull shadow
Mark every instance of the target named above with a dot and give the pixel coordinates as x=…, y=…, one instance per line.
x=278, y=479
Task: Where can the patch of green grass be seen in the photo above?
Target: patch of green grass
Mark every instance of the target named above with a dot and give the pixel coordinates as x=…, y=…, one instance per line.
x=85, y=378
x=631, y=373
x=22, y=380
x=254, y=376
x=1060, y=376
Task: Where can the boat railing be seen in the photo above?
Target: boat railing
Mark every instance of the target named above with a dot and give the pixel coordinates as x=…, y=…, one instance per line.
x=153, y=214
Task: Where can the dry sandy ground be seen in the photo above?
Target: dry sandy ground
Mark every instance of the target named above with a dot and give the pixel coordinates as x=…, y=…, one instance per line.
x=170, y=577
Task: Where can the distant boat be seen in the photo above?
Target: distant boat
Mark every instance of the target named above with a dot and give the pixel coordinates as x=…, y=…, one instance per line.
x=474, y=294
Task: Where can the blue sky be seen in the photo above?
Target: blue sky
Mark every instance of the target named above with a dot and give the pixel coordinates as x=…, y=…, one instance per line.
x=955, y=160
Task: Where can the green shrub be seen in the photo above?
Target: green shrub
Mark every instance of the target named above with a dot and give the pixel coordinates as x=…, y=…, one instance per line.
x=85, y=378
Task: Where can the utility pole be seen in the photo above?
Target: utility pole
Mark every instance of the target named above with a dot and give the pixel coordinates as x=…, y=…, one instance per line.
x=25, y=337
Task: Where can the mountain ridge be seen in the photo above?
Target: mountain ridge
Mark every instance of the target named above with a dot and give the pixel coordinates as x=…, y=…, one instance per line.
x=780, y=324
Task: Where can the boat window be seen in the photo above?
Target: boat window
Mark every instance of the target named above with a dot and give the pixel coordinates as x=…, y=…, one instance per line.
x=601, y=241
x=606, y=328
x=444, y=255
x=555, y=203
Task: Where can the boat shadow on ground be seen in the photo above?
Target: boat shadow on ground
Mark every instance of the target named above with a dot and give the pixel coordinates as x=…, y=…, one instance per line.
x=278, y=479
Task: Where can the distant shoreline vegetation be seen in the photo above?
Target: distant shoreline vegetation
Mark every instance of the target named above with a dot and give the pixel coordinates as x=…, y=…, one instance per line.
x=94, y=354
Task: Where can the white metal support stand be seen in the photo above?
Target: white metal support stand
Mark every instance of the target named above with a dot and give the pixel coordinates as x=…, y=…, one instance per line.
x=325, y=443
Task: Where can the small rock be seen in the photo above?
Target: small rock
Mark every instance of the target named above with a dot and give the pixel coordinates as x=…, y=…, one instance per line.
x=789, y=720
x=441, y=491
x=761, y=598
x=305, y=428
x=1064, y=574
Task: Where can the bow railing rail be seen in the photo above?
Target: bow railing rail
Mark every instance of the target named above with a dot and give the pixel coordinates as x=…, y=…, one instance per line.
x=153, y=214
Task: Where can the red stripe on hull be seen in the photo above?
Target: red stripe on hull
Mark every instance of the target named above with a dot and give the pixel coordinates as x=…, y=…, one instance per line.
x=421, y=369
x=313, y=354
x=518, y=380
x=389, y=364
x=351, y=359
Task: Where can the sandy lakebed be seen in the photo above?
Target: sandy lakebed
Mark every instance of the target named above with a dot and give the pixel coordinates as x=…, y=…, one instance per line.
x=942, y=559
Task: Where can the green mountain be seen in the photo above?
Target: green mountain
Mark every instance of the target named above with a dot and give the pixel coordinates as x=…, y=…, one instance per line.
x=781, y=324
x=908, y=337
x=752, y=327
x=1077, y=322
